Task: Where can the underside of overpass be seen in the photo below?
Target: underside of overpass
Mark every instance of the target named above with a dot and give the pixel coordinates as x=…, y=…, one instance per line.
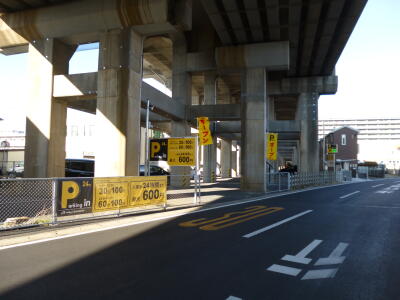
x=251, y=66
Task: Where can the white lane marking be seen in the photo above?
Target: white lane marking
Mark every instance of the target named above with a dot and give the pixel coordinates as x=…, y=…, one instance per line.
x=320, y=274
x=249, y=235
x=348, y=195
x=301, y=256
x=374, y=186
x=284, y=270
x=335, y=257
x=233, y=298
x=173, y=216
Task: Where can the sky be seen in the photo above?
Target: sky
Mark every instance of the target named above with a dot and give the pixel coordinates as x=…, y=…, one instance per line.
x=369, y=67
x=368, y=72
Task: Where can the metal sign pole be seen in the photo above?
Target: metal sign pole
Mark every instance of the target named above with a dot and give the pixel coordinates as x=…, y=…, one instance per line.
x=147, y=163
x=197, y=176
x=54, y=201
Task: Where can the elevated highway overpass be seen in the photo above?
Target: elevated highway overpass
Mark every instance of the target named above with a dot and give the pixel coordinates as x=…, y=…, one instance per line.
x=253, y=66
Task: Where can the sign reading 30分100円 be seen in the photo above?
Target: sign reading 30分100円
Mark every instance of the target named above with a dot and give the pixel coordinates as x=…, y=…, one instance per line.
x=182, y=151
x=128, y=192
x=175, y=151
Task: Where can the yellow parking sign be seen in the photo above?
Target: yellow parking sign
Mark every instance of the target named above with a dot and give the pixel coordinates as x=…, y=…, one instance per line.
x=272, y=146
x=181, y=151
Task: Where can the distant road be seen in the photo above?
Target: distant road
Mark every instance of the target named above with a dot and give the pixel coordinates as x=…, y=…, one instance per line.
x=333, y=243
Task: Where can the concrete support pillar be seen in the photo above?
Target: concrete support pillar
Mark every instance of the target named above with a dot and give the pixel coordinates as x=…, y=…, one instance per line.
x=226, y=159
x=46, y=118
x=271, y=108
x=182, y=93
x=210, y=151
x=234, y=159
x=307, y=114
x=118, y=104
x=239, y=159
x=254, y=115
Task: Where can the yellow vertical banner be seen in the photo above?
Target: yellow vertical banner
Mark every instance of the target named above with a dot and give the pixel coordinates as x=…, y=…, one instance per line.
x=204, y=131
x=272, y=146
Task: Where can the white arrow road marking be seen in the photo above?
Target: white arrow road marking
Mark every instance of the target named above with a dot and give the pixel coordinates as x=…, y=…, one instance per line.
x=335, y=257
x=389, y=189
x=348, y=195
x=233, y=298
x=249, y=235
x=284, y=270
x=384, y=192
x=320, y=274
x=374, y=186
x=301, y=256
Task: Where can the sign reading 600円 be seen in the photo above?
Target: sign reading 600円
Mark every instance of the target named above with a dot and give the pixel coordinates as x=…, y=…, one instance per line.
x=182, y=151
x=128, y=192
x=151, y=190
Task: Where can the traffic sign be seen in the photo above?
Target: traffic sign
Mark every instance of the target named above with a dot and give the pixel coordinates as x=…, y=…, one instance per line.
x=332, y=148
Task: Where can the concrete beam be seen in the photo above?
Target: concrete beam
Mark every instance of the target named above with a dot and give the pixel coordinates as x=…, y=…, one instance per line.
x=201, y=61
x=163, y=104
x=273, y=56
x=273, y=126
x=78, y=87
x=218, y=112
x=323, y=85
x=85, y=18
x=284, y=126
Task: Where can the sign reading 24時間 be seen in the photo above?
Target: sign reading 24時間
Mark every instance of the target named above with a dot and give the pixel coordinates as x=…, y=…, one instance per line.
x=175, y=151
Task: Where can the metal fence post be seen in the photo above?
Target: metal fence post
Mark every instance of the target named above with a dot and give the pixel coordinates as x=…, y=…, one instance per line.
x=54, y=201
x=198, y=190
x=279, y=182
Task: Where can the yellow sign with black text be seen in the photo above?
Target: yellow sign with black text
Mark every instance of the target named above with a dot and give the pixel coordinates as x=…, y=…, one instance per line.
x=272, y=146
x=128, y=192
x=181, y=151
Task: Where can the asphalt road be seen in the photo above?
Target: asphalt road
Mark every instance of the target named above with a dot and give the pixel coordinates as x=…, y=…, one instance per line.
x=333, y=243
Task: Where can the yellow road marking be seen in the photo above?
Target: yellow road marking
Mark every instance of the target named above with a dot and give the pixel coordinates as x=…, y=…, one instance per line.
x=233, y=218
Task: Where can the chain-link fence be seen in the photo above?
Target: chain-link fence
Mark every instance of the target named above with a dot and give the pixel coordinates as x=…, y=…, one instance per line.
x=183, y=190
x=26, y=202
x=277, y=182
x=11, y=169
